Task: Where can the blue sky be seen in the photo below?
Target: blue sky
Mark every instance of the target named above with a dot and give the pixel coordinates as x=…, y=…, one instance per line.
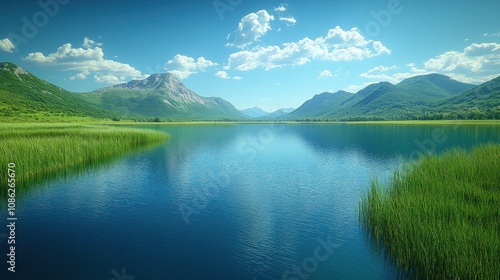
x=271, y=54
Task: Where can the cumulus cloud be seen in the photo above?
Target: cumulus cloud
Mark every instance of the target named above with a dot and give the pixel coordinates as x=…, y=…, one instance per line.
x=225, y=75
x=6, y=45
x=184, y=66
x=88, y=43
x=289, y=20
x=337, y=45
x=477, y=63
x=381, y=68
x=325, y=74
x=110, y=79
x=280, y=8
x=79, y=76
x=251, y=27
x=86, y=60
x=222, y=75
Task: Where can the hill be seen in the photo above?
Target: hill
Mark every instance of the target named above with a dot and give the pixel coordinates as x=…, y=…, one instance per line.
x=254, y=112
x=409, y=99
x=24, y=96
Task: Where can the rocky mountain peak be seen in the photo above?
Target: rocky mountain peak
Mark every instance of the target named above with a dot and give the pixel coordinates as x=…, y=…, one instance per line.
x=164, y=81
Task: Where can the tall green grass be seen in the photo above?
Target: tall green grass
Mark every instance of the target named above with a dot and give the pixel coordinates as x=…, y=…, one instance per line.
x=42, y=151
x=439, y=218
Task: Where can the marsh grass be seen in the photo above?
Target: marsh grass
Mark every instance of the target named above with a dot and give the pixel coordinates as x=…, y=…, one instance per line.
x=439, y=218
x=44, y=151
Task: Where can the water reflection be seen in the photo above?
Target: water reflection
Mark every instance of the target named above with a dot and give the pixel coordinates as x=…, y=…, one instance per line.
x=270, y=197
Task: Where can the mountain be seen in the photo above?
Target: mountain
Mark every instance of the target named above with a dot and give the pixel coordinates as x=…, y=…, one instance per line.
x=481, y=102
x=434, y=85
x=486, y=95
x=320, y=104
x=162, y=96
x=405, y=100
x=24, y=96
x=254, y=112
x=279, y=113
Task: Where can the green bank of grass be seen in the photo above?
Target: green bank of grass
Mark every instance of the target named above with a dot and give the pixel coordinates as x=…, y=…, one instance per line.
x=41, y=151
x=439, y=218
x=434, y=122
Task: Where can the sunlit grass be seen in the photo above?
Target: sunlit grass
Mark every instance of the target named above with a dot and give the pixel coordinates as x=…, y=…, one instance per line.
x=41, y=151
x=439, y=218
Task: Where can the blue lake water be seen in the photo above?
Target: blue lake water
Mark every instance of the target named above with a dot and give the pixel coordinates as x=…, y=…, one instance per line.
x=223, y=202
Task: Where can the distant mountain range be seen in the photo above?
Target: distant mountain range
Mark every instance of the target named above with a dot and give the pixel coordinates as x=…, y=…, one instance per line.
x=258, y=113
x=24, y=96
x=254, y=112
x=430, y=96
x=158, y=97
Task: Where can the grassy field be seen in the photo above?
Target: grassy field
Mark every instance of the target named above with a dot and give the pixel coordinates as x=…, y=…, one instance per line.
x=439, y=218
x=41, y=151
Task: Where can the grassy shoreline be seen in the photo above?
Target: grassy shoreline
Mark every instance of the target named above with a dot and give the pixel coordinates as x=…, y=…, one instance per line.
x=402, y=122
x=42, y=151
x=439, y=218
x=423, y=122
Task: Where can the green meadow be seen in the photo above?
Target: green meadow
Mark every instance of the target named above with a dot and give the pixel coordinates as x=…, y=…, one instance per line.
x=41, y=151
x=439, y=218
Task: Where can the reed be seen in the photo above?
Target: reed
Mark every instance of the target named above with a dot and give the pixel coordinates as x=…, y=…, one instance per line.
x=439, y=218
x=41, y=151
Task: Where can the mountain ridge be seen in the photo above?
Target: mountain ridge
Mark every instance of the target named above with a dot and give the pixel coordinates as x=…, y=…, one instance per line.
x=407, y=99
x=164, y=97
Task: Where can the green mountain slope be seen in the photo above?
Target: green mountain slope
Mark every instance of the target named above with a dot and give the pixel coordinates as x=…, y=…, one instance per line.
x=433, y=86
x=24, y=96
x=320, y=105
x=486, y=95
x=405, y=100
x=162, y=96
x=481, y=102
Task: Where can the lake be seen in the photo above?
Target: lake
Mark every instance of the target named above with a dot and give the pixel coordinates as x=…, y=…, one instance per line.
x=237, y=201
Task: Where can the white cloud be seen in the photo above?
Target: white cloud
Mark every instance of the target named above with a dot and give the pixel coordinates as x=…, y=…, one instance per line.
x=251, y=28
x=356, y=88
x=381, y=68
x=222, y=75
x=337, y=45
x=87, y=43
x=289, y=20
x=6, y=45
x=184, y=66
x=225, y=75
x=79, y=76
x=280, y=8
x=325, y=74
x=86, y=60
x=477, y=63
x=110, y=79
